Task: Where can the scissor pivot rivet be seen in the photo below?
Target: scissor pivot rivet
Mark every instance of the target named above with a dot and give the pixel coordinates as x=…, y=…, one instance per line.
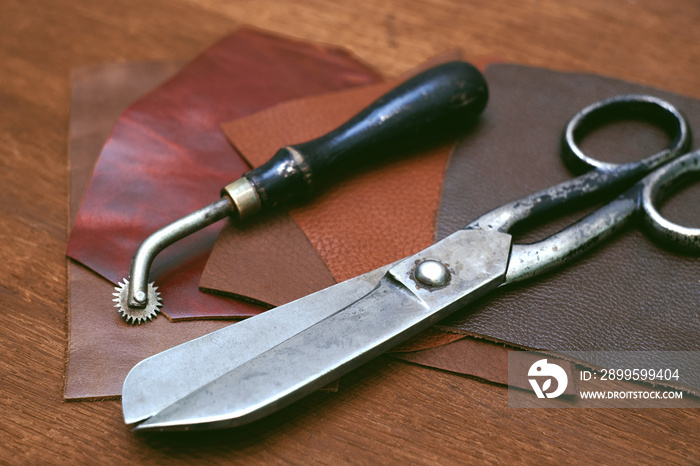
x=432, y=273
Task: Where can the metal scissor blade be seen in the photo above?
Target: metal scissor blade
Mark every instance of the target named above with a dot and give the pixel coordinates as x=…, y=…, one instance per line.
x=396, y=309
x=162, y=379
x=296, y=367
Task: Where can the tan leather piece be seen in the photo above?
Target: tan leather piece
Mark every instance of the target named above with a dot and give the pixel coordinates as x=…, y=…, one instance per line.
x=346, y=223
x=99, y=95
x=627, y=294
x=102, y=349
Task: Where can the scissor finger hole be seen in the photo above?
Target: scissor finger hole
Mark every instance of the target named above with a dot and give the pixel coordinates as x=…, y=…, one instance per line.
x=625, y=127
x=675, y=179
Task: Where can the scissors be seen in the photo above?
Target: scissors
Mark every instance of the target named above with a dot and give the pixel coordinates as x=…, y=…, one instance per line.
x=248, y=370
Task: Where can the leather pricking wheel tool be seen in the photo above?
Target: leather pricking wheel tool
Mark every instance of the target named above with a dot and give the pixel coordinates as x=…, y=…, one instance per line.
x=427, y=108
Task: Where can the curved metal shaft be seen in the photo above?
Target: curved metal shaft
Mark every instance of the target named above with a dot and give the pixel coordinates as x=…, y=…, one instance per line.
x=147, y=252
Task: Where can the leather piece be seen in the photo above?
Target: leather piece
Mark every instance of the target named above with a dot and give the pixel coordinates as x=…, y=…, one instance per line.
x=102, y=349
x=352, y=232
x=627, y=294
x=166, y=158
x=485, y=360
x=428, y=338
x=267, y=260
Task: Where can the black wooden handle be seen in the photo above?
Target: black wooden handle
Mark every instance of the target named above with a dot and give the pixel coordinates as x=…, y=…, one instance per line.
x=426, y=108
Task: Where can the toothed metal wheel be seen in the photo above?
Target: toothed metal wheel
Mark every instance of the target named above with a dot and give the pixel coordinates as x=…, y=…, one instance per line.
x=136, y=315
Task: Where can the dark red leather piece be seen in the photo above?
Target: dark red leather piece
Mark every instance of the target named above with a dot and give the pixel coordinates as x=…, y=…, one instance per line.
x=166, y=157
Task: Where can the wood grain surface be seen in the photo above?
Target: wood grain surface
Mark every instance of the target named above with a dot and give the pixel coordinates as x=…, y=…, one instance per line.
x=387, y=411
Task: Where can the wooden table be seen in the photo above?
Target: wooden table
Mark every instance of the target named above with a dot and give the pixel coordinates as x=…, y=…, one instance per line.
x=387, y=411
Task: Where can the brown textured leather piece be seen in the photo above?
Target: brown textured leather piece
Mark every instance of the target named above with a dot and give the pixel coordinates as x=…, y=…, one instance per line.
x=627, y=294
x=102, y=349
x=166, y=158
x=370, y=218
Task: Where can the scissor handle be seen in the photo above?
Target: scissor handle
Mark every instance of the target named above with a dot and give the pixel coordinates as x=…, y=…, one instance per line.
x=604, y=176
x=655, y=187
x=625, y=107
x=527, y=260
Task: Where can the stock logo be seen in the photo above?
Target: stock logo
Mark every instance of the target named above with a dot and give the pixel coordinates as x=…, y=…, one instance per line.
x=544, y=371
